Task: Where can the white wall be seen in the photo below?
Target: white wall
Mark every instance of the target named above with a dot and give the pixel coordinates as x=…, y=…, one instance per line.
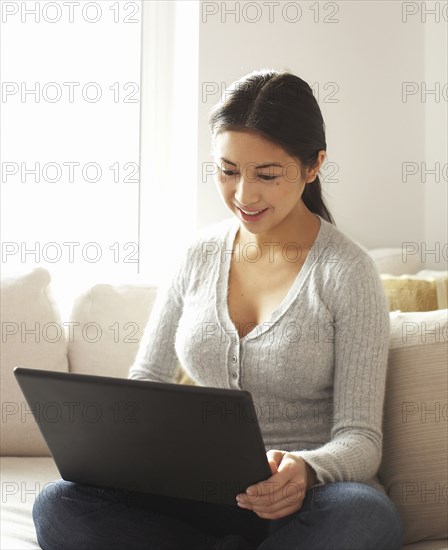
x=368, y=54
x=436, y=117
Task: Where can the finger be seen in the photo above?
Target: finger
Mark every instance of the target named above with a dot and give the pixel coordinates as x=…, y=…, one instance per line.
x=287, y=490
x=282, y=477
x=275, y=455
x=280, y=508
x=290, y=494
x=273, y=466
x=294, y=470
x=278, y=514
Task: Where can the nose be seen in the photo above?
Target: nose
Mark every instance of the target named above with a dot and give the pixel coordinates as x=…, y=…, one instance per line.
x=246, y=192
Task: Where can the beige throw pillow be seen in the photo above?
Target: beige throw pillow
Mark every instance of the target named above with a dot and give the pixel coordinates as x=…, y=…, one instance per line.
x=421, y=292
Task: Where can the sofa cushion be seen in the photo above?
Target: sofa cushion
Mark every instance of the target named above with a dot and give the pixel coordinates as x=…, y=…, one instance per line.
x=427, y=545
x=107, y=324
x=32, y=336
x=421, y=292
x=414, y=467
x=22, y=478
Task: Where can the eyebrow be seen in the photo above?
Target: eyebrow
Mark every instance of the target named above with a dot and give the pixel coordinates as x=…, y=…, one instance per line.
x=265, y=165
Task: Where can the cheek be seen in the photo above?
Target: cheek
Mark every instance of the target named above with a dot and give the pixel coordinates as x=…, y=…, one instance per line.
x=223, y=187
x=284, y=194
x=218, y=181
x=282, y=190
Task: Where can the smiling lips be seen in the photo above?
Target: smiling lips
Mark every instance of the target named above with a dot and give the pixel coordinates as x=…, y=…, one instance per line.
x=251, y=212
x=252, y=216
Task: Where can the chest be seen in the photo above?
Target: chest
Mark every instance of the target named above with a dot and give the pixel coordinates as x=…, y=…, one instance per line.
x=255, y=292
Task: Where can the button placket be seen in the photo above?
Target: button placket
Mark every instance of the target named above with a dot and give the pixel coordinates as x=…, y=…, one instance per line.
x=234, y=370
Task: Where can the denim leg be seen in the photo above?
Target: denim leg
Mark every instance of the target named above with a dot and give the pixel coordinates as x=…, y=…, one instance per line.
x=339, y=516
x=72, y=516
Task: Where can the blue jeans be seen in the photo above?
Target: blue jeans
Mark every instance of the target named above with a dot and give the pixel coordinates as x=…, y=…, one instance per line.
x=335, y=516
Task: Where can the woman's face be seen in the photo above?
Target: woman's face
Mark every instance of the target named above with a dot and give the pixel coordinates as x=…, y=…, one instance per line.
x=254, y=174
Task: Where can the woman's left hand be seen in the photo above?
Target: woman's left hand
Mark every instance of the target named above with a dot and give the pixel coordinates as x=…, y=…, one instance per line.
x=281, y=494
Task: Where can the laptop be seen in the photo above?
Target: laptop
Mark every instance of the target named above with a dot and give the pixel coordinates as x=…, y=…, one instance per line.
x=193, y=442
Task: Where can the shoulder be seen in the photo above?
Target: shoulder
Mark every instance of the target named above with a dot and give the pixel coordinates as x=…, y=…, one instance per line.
x=341, y=258
x=349, y=283
x=350, y=280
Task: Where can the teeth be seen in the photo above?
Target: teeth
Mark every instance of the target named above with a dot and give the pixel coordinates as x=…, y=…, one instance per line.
x=252, y=213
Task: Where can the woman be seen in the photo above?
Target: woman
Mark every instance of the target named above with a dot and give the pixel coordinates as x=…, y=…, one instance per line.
x=277, y=301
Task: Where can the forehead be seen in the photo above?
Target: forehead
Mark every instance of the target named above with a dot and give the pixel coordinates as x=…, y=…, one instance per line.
x=247, y=146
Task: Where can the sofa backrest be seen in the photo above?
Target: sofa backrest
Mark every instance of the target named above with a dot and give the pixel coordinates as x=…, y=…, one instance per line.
x=107, y=324
x=414, y=467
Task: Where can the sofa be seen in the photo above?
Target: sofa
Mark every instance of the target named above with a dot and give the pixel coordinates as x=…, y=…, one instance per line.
x=101, y=336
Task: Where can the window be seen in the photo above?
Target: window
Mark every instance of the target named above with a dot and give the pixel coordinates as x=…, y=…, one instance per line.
x=95, y=95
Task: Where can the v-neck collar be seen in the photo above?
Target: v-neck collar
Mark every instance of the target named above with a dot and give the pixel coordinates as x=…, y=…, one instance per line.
x=222, y=280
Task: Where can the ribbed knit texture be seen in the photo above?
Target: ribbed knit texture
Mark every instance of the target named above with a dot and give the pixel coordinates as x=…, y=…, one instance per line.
x=316, y=367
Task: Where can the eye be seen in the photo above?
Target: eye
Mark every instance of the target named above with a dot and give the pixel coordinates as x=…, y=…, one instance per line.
x=226, y=172
x=267, y=178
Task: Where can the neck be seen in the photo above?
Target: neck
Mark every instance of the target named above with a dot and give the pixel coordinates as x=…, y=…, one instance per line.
x=299, y=229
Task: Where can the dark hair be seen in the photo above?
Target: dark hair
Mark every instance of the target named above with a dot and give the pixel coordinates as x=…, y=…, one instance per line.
x=280, y=107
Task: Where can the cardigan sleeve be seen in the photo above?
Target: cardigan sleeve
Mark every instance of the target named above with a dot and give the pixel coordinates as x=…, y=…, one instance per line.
x=361, y=345
x=156, y=358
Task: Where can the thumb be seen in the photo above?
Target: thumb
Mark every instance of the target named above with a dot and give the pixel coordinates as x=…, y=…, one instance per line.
x=274, y=457
x=273, y=466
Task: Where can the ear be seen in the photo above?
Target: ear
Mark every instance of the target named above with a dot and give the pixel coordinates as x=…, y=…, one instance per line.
x=311, y=173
